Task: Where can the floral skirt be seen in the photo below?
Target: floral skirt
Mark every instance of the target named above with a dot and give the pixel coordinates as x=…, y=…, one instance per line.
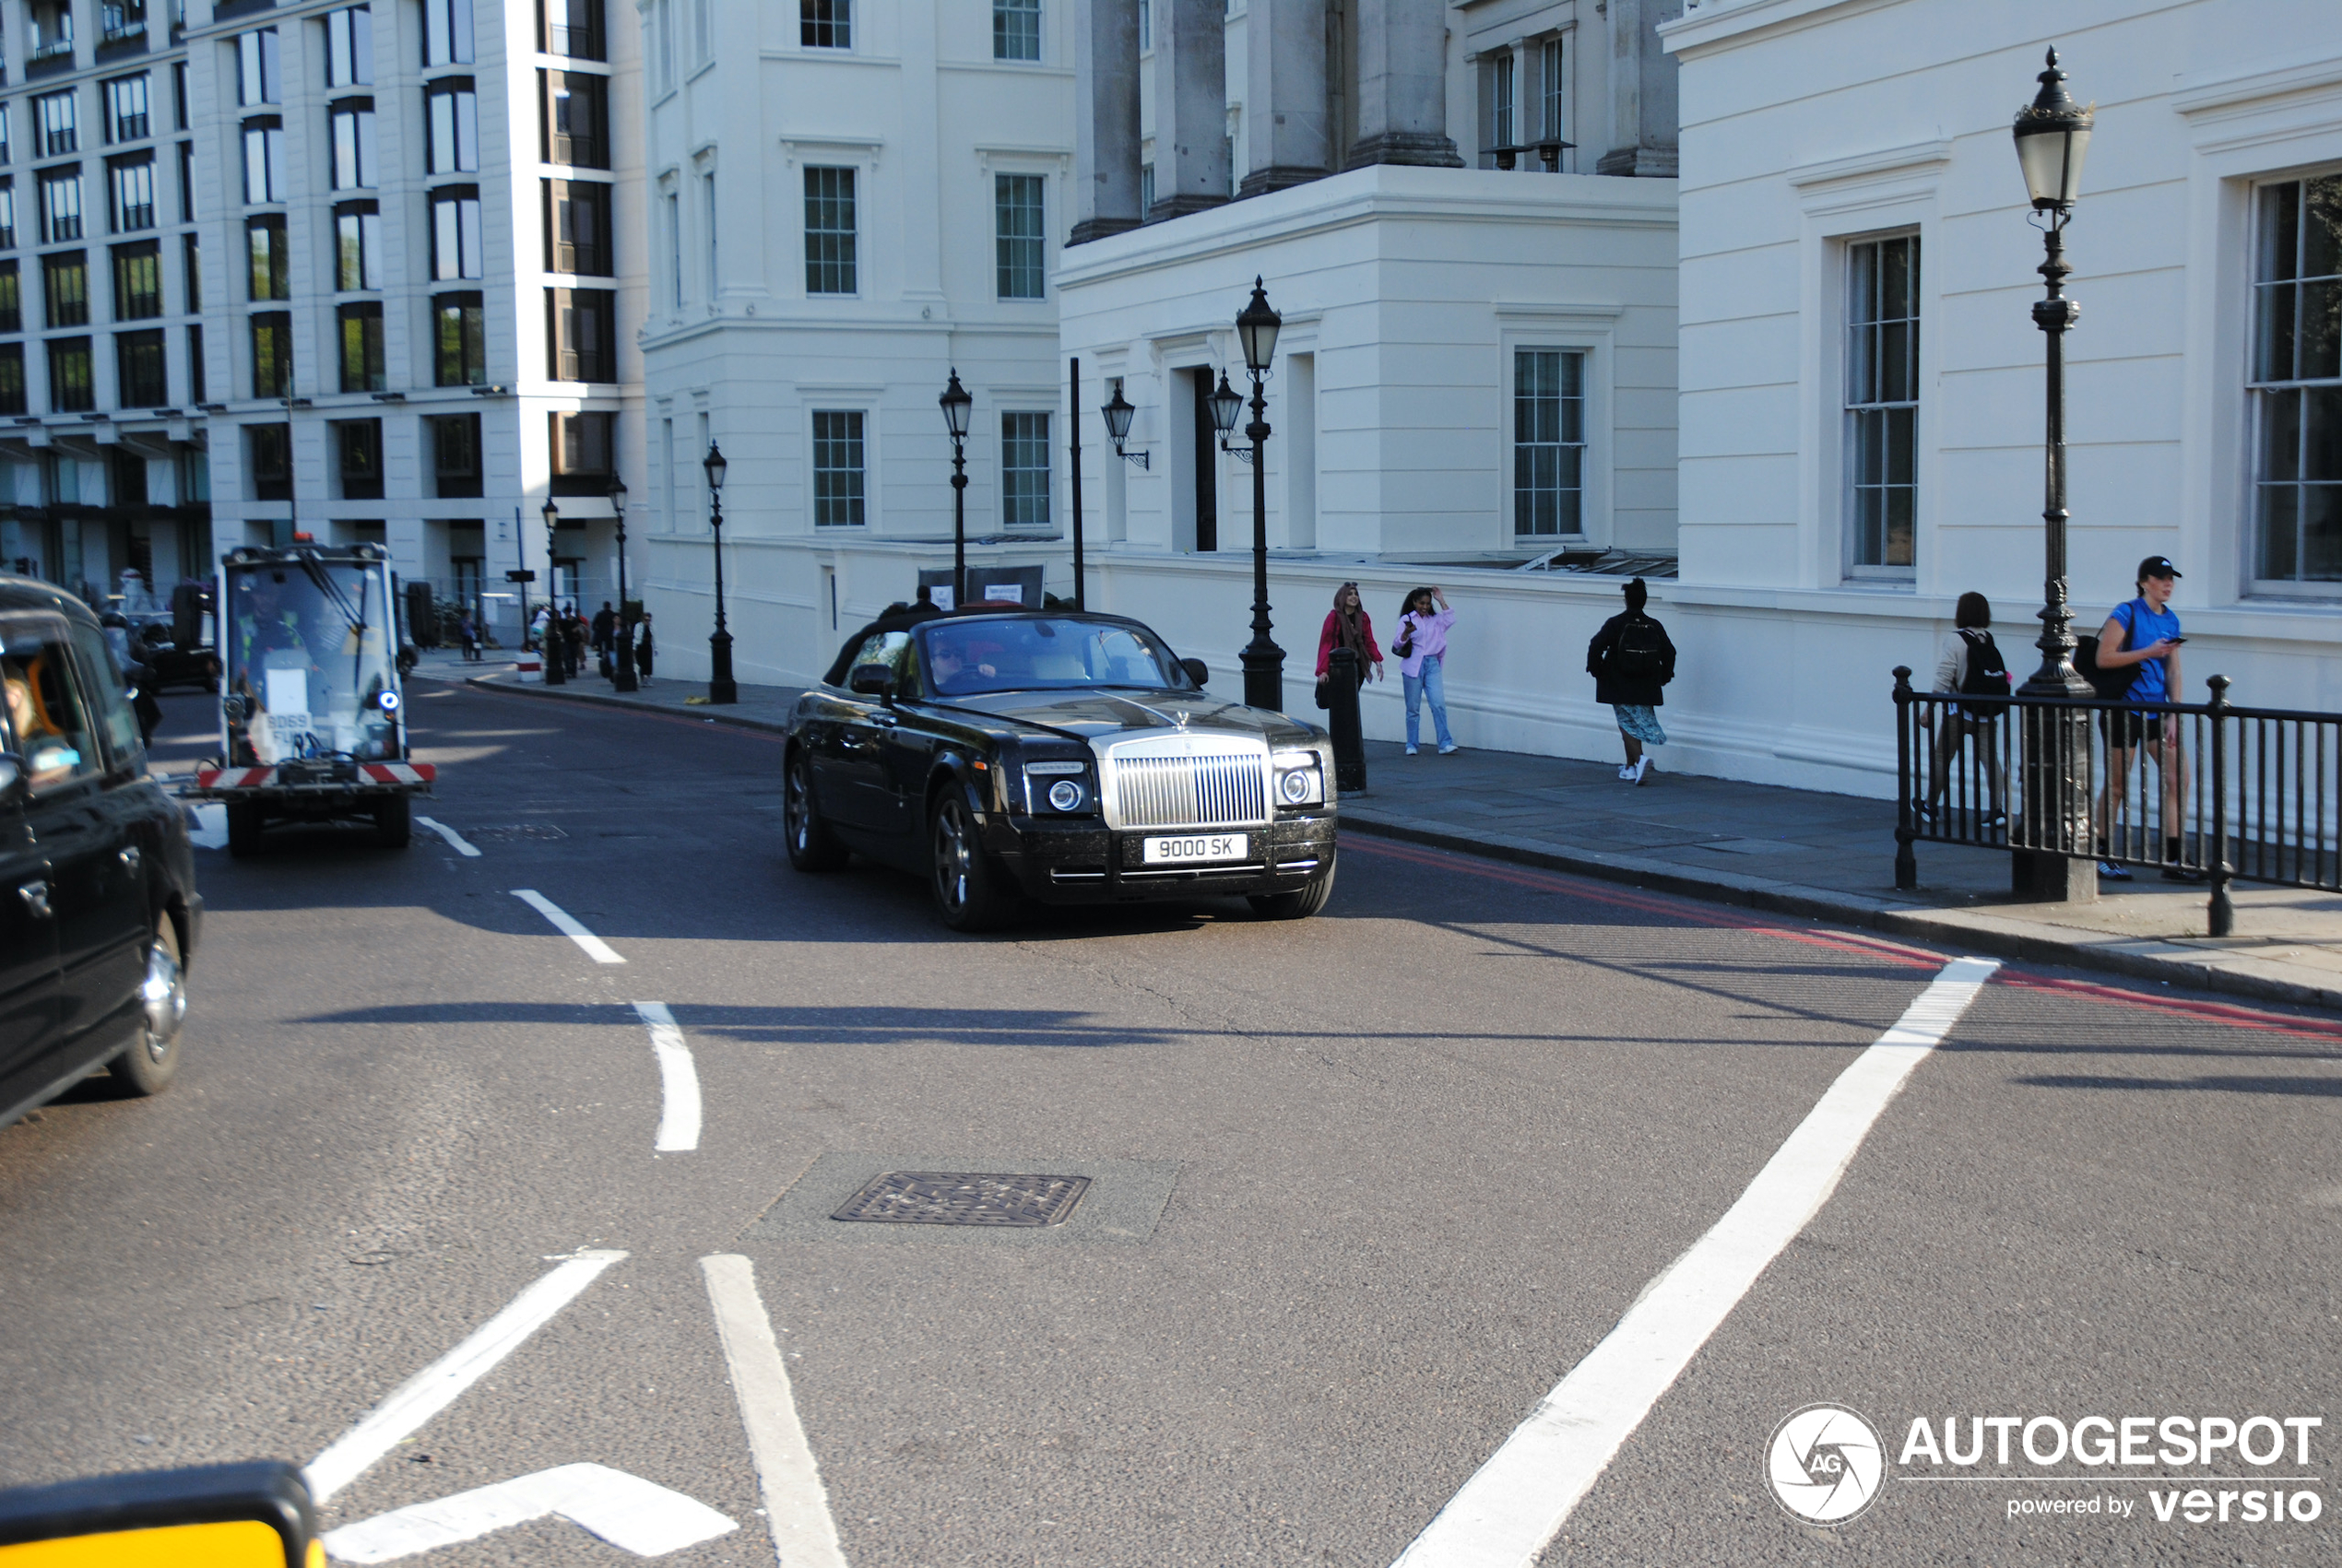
x=1640, y=720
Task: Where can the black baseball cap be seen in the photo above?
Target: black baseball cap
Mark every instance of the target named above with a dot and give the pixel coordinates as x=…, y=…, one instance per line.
x=2158, y=566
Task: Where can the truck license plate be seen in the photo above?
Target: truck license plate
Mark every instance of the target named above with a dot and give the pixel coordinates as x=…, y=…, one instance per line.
x=1197, y=849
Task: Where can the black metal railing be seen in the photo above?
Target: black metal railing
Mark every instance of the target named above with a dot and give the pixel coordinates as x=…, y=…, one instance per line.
x=2195, y=792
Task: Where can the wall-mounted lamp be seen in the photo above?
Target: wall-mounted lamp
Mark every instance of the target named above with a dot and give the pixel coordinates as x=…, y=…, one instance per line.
x=1227, y=406
x=1118, y=410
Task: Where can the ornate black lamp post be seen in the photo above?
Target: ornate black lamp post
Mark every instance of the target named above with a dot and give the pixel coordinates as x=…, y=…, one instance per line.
x=2053, y=133
x=624, y=679
x=955, y=403
x=555, y=652
x=721, y=688
x=1263, y=661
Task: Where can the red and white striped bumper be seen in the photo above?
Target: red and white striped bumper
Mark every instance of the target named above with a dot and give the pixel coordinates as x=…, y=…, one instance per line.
x=369, y=774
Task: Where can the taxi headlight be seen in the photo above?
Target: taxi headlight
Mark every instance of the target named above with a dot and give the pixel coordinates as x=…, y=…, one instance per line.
x=1066, y=794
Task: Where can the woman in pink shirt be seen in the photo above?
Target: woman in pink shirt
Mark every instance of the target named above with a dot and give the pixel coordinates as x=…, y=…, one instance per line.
x=1421, y=648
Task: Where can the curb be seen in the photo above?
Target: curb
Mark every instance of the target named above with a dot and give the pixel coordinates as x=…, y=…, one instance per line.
x=605, y=700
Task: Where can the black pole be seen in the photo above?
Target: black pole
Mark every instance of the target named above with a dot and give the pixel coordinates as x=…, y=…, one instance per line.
x=1073, y=423
x=1263, y=661
x=721, y=688
x=1906, y=861
x=556, y=648
x=520, y=563
x=624, y=680
x=2057, y=676
x=1344, y=676
x=959, y=521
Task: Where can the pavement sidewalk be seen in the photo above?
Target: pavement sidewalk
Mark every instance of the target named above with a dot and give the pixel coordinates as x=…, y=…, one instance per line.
x=1797, y=852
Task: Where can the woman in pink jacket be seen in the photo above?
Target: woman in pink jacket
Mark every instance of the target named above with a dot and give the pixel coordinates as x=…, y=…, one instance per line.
x=1421, y=647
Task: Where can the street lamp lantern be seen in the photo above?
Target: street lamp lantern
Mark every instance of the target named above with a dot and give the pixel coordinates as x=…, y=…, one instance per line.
x=1116, y=411
x=1257, y=327
x=715, y=464
x=556, y=650
x=955, y=404
x=624, y=679
x=1226, y=404
x=1263, y=660
x=721, y=687
x=2053, y=133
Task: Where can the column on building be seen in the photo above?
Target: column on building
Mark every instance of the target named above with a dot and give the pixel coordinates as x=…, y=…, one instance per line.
x=1288, y=141
x=1640, y=136
x=1192, y=170
x=1106, y=136
x=1403, y=86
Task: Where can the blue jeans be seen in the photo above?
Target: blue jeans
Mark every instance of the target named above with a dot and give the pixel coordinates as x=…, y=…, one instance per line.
x=1428, y=682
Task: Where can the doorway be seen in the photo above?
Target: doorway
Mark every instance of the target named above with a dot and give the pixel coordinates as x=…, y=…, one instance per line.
x=1207, y=463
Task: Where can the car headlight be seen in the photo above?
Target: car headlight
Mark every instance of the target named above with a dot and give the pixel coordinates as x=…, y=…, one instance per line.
x=1067, y=795
x=1300, y=781
x=1059, y=785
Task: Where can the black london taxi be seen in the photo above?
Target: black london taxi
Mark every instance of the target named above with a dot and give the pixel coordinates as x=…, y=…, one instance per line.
x=98, y=913
x=1061, y=756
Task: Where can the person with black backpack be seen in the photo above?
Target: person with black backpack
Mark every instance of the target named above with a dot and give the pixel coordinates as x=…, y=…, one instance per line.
x=1968, y=661
x=1630, y=658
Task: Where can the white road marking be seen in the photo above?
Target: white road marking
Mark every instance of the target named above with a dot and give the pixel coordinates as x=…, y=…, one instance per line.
x=1516, y=1504
x=642, y=1517
x=455, y=840
x=796, y=1506
x=600, y=950
x=208, y=830
x=439, y=1384
x=678, y=1080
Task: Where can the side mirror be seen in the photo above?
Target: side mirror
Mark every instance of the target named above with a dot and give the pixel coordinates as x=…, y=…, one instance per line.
x=247, y=1516
x=234, y=708
x=1198, y=671
x=872, y=680
x=11, y=778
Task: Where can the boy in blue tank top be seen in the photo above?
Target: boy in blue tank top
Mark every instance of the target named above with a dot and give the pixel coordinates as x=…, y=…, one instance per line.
x=2145, y=634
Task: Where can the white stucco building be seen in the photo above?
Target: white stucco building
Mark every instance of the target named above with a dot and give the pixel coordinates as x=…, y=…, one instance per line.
x=849, y=199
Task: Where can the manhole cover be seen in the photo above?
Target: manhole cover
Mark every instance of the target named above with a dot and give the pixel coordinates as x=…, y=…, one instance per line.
x=513, y=833
x=932, y=1197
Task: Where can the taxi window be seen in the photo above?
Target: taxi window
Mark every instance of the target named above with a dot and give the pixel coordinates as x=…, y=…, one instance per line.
x=46, y=725
x=102, y=687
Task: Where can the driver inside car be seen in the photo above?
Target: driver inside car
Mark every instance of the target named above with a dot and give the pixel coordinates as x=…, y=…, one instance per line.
x=48, y=755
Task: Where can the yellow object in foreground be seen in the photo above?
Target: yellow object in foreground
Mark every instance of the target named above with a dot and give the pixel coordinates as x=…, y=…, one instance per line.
x=235, y=1543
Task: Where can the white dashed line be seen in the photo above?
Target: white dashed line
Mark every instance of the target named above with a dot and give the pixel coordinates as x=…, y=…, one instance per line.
x=600, y=950
x=455, y=840
x=1514, y=1505
x=796, y=1506
x=678, y=1080
x=439, y=1384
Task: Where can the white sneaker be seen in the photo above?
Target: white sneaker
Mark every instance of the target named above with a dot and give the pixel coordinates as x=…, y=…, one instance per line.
x=1642, y=768
x=1450, y=749
x=1627, y=773
x=1411, y=751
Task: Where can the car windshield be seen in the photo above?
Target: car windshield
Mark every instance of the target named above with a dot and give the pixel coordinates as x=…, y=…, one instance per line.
x=310, y=650
x=1046, y=654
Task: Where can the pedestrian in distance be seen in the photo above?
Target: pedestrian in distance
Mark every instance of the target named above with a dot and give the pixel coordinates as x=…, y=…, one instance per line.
x=605, y=637
x=642, y=648
x=2144, y=633
x=469, y=631
x=1969, y=661
x=1421, y=648
x=578, y=632
x=536, y=624
x=1348, y=626
x=1630, y=658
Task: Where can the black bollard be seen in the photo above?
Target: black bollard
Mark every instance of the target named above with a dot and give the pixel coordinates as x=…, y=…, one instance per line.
x=1342, y=719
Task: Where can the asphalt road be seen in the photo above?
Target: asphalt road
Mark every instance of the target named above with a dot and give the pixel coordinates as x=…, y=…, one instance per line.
x=1364, y=1188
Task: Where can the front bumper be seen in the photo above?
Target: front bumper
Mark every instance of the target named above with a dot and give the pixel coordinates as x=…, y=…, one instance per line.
x=1089, y=863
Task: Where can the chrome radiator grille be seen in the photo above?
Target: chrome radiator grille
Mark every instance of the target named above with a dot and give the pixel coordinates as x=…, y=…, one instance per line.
x=1223, y=789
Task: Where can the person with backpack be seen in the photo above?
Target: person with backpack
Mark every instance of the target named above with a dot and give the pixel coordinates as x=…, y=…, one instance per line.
x=1630, y=658
x=1422, y=652
x=2145, y=635
x=1968, y=661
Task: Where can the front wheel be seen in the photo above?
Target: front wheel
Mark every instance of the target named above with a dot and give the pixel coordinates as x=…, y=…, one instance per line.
x=394, y=821
x=811, y=845
x=971, y=891
x=151, y=1059
x=1298, y=904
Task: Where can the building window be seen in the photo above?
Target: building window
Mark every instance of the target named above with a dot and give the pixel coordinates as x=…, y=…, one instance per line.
x=128, y=119
x=1499, y=128
x=584, y=451
x=130, y=187
x=451, y=114
x=191, y=258
x=52, y=31
x=64, y=289
x=837, y=468
x=11, y=298
x=1017, y=227
x=196, y=390
x=1882, y=403
x=455, y=233
x=1146, y=189
x=264, y=160
x=120, y=22
x=577, y=119
x=581, y=330
x=673, y=205
x=1016, y=30
x=12, y=396
x=179, y=95
x=71, y=389
x=1025, y=470
x=141, y=378
x=7, y=215
x=447, y=33
x=455, y=455
x=1548, y=441
x=825, y=24
x=270, y=276
x=362, y=347
x=352, y=121
x=574, y=28
x=5, y=118
x=358, y=246
x=186, y=182
x=61, y=207
x=349, y=47
x=707, y=204
x=459, y=340
x=2296, y=388
x=829, y=231
x=269, y=450
x=359, y=444
x=138, y=281
x=56, y=122
x=272, y=354
x=258, y=78
x=1553, y=95
x=577, y=228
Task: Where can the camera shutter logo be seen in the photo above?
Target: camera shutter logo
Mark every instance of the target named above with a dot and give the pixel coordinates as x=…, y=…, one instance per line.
x=1826, y=1463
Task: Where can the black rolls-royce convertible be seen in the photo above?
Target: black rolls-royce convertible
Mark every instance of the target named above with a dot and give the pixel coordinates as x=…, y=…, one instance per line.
x=1065, y=756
